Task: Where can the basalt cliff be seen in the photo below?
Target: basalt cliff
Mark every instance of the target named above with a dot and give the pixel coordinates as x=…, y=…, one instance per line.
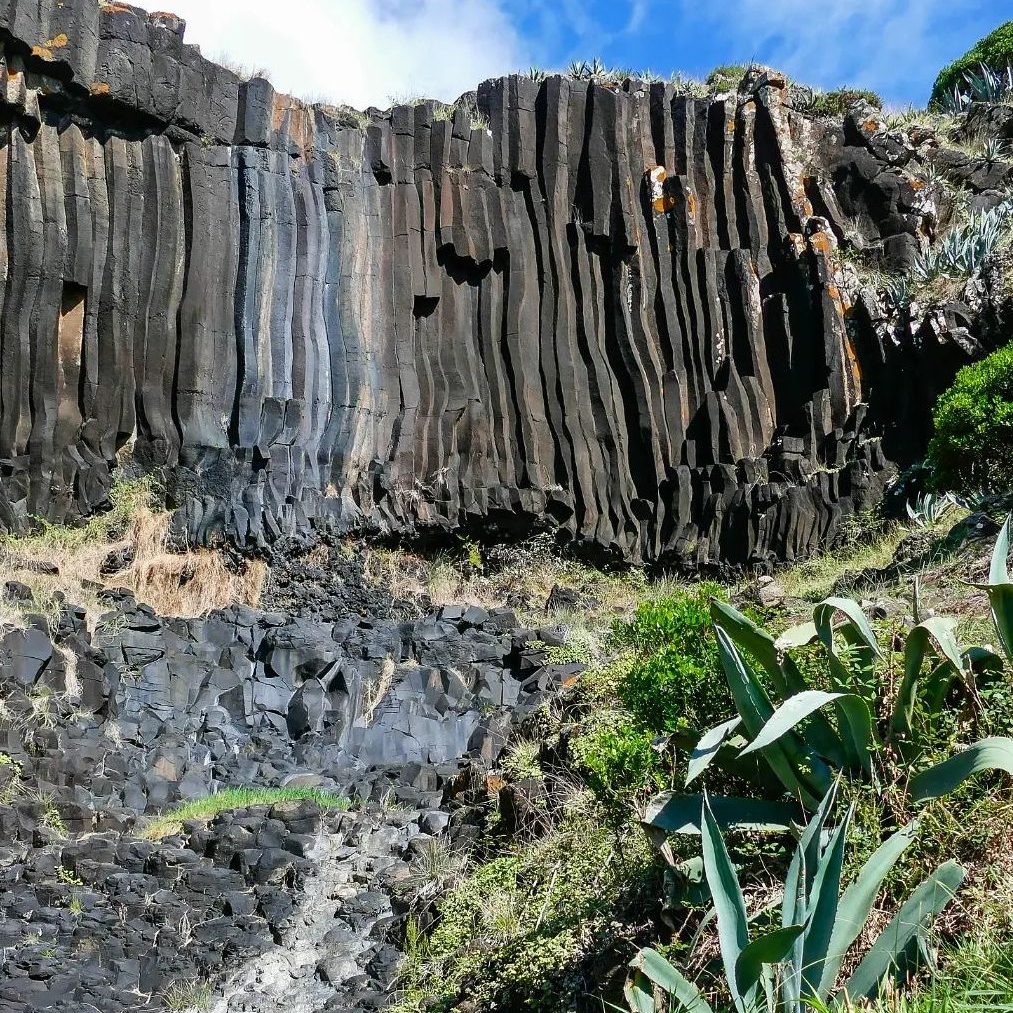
x=614, y=312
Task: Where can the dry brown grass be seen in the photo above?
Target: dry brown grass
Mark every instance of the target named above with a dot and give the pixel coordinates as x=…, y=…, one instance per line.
x=454, y=580
x=186, y=584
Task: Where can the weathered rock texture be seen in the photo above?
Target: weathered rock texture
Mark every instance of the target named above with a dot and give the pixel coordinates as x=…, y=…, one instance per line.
x=616, y=312
x=271, y=908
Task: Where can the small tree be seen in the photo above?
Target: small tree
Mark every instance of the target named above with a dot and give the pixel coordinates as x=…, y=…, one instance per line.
x=972, y=449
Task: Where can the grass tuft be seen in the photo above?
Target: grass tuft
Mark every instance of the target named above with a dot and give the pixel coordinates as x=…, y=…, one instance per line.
x=206, y=809
x=187, y=997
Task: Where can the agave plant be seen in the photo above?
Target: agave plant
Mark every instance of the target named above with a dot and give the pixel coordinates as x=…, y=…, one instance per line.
x=788, y=738
x=796, y=966
x=930, y=508
x=994, y=149
x=898, y=293
x=964, y=249
x=986, y=84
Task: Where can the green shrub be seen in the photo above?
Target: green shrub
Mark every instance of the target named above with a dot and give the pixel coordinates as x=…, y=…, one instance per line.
x=208, y=808
x=973, y=445
x=619, y=760
x=837, y=102
x=995, y=50
x=727, y=77
x=676, y=683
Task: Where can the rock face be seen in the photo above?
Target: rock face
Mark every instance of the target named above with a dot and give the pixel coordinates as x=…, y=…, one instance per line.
x=615, y=312
x=272, y=907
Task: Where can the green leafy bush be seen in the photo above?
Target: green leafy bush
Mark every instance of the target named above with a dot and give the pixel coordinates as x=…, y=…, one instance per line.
x=840, y=100
x=618, y=760
x=973, y=445
x=676, y=682
x=995, y=50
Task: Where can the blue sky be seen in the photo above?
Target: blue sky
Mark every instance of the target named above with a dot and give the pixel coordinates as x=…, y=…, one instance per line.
x=363, y=52
x=893, y=46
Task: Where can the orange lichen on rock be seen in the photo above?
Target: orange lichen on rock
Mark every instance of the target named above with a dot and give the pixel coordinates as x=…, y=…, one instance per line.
x=856, y=369
x=821, y=241
x=58, y=41
x=661, y=200
x=99, y=88
x=691, y=205
x=42, y=52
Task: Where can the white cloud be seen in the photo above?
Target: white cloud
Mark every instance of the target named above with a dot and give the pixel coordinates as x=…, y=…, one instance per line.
x=360, y=52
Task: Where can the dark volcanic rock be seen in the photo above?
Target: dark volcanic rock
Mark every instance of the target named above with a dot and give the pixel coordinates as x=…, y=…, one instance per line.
x=274, y=906
x=612, y=312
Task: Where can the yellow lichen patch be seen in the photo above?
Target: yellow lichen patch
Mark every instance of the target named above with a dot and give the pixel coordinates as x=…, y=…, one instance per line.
x=691, y=205
x=99, y=88
x=57, y=41
x=821, y=242
x=42, y=52
x=661, y=201
x=107, y=8
x=871, y=126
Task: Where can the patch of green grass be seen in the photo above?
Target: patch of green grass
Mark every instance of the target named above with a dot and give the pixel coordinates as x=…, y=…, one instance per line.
x=836, y=103
x=974, y=977
x=515, y=933
x=814, y=579
x=126, y=498
x=727, y=77
x=522, y=759
x=207, y=809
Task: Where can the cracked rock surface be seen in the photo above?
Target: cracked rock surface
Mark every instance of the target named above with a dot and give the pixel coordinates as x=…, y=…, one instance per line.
x=615, y=312
x=288, y=906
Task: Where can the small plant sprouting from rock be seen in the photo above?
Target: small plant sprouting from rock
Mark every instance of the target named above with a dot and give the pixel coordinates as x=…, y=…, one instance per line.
x=436, y=867
x=522, y=759
x=187, y=997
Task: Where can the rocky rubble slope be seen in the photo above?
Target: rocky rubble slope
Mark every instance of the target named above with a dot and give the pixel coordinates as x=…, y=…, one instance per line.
x=289, y=905
x=616, y=311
